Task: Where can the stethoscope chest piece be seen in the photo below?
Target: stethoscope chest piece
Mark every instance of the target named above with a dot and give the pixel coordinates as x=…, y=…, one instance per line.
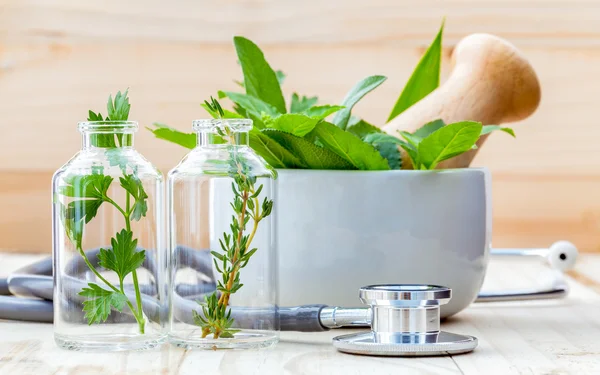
x=405, y=322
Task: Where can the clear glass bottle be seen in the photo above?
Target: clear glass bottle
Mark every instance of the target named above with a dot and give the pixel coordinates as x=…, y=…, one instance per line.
x=223, y=281
x=109, y=251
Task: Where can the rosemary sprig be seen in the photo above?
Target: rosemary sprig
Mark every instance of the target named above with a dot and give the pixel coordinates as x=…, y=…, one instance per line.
x=236, y=246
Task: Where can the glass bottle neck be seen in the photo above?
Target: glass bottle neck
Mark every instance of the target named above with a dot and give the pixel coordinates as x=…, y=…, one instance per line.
x=210, y=139
x=106, y=140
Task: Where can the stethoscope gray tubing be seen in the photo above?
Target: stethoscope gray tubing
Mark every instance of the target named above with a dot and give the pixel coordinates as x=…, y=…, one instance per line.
x=35, y=282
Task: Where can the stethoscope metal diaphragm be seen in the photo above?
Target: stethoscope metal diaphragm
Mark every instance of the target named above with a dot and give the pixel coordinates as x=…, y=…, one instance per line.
x=405, y=322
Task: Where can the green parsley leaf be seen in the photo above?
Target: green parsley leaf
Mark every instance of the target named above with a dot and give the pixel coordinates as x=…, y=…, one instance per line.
x=122, y=257
x=99, y=303
x=118, y=110
x=94, y=186
x=133, y=185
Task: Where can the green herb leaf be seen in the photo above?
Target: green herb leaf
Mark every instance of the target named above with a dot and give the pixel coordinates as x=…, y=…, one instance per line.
x=99, y=302
x=93, y=186
x=302, y=104
x=226, y=113
x=390, y=152
x=361, y=89
x=133, y=185
x=294, y=123
x=162, y=131
x=490, y=128
x=116, y=157
x=273, y=153
x=424, y=79
x=322, y=111
x=123, y=257
x=362, y=129
x=254, y=107
x=260, y=80
x=313, y=156
x=429, y=128
x=119, y=109
x=348, y=146
x=447, y=142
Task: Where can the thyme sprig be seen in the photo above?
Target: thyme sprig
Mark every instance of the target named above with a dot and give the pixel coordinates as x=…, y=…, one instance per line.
x=236, y=249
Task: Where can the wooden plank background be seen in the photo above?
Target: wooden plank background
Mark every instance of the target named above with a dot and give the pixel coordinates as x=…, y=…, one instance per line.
x=60, y=58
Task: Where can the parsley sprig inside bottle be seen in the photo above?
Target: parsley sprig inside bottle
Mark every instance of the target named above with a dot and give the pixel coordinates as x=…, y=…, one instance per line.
x=108, y=240
x=221, y=215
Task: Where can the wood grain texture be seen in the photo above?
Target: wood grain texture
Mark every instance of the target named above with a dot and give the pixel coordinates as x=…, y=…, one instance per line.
x=60, y=58
x=534, y=337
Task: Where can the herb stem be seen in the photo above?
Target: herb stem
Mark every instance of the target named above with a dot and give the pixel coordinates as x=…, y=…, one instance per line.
x=94, y=270
x=107, y=199
x=136, y=286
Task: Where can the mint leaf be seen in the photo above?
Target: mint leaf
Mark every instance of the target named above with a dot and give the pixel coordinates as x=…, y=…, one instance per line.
x=490, y=128
x=429, y=128
x=302, y=104
x=447, y=142
x=187, y=140
x=254, y=107
x=294, y=123
x=99, y=303
x=322, y=111
x=362, y=128
x=348, y=146
x=424, y=79
x=260, y=80
x=313, y=156
x=273, y=153
x=361, y=89
x=123, y=257
x=133, y=185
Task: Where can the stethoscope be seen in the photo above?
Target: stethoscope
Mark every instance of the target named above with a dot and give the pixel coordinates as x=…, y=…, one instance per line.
x=404, y=319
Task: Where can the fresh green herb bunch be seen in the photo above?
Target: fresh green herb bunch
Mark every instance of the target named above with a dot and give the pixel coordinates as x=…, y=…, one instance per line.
x=87, y=193
x=236, y=249
x=300, y=136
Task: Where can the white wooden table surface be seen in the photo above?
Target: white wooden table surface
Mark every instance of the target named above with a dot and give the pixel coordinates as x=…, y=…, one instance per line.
x=534, y=337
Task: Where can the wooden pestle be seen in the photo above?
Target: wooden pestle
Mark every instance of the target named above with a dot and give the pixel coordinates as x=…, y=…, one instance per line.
x=491, y=82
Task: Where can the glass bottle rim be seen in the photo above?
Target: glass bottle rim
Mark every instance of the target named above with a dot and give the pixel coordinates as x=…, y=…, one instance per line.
x=234, y=124
x=108, y=126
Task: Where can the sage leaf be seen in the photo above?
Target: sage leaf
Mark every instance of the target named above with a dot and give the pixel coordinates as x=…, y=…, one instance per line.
x=361, y=89
x=273, y=153
x=322, y=111
x=313, y=156
x=360, y=154
x=490, y=128
x=424, y=79
x=294, y=123
x=260, y=81
x=301, y=104
x=162, y=131
x=447, y=142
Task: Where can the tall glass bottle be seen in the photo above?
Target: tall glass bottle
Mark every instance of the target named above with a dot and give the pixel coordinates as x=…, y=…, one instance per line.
x=223, y=282
x=109, y=253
